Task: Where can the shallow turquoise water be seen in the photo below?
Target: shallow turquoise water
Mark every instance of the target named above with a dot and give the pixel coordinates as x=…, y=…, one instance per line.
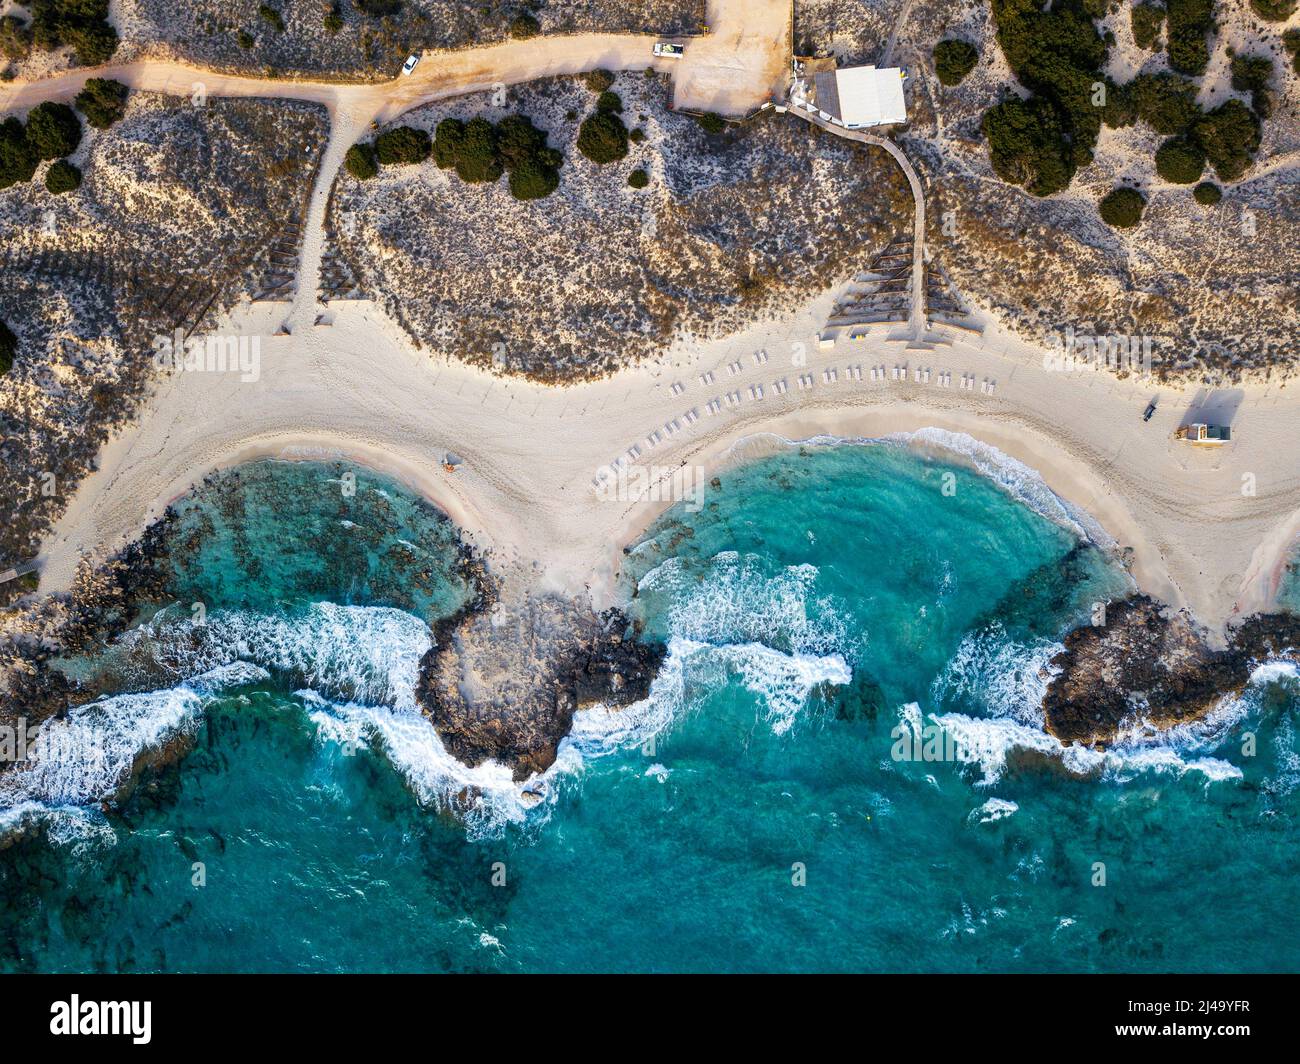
x=822, y=604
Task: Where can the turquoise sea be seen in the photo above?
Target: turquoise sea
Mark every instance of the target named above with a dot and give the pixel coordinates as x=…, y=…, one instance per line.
x=827, y=606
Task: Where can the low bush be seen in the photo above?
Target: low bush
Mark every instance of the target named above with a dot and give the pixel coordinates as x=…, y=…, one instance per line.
x=403, y=146
x=598, y=80
x=953, y=60
x=602, y=138
x=1273, y=10
x=1207, y=193
x=1190, y=24
x=1146, y=20
x=62, y=177
x=8, y=348
x=18, y=159
x=102, y=101
x=360, y=162
x=53, y=129
x=609, y=101
x=1180, y=161
x=524, y=26
x=1122, y=208
x=638, y=179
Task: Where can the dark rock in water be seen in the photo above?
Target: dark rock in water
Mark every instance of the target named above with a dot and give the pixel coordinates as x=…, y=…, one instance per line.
x=505, y=684
x=1147, y=663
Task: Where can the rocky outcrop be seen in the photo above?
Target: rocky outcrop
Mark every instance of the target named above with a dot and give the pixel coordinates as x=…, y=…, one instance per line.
x=505, y=684
x=1147, y=663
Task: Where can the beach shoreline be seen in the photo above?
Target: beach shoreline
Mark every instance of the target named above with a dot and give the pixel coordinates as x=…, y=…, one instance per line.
x=526, y=491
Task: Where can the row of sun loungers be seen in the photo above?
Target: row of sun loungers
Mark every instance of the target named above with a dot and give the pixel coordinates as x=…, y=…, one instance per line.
x=804, y=382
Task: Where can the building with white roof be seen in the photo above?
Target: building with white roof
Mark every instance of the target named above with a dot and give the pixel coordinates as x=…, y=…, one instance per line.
x=853, y=97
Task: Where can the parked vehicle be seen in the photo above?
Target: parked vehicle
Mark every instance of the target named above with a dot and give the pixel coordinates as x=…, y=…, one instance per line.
x=1151, y=409
x=669, y=51
x=411, y=62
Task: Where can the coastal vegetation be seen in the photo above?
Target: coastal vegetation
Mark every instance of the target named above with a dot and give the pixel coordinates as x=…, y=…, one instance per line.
x=481, y=152
x=1122, y=207
x=603, y=137
x=1273, y=10
x=102, y=101
x=1058, y=53
x=80, y=24
x=360, y=162
x=1207, y=193
x=62, y=177
x=1147, y=20
x=1190, y=24
x=953, y=60
x=8, y=347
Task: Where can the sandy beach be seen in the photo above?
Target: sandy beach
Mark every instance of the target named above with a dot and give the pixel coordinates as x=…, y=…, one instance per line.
x=354, y=387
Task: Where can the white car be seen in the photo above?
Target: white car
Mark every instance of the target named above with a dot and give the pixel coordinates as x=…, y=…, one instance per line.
x=669, y=51
x=410, y=64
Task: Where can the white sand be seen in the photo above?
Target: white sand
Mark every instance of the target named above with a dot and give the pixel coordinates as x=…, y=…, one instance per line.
x=356, y=388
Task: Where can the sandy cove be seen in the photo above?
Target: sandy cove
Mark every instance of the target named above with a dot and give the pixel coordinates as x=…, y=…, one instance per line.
x=523, y=492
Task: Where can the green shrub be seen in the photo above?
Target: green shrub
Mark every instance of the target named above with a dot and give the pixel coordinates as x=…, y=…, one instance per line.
x=1146, y=20
x=1190, y=24
x=598, y=80
x=531, y=179
x=15, y=38
x=1180, y=161
x=637, y=135
x=8, y=348
x=1207, y=193
x=711, y=123
x=1274, y=10
x=61, y=177
x=1121, y=105
x=478, y=159
x=244, y=39
x=378, y=8
x=1027, y=146
x=447, y=140
x=403, y=145
x=602, y=137
x=1291, y=42
x=1251, y=72
x=1229, y=135
x=272, y=17
x=1122, y=208
x=18, y=159
x=102, y=101
x=1166, y=102
x=609, y=101
x=82, y=24
x=953, y=60
x=524, y=26
x=360, y=162
x=1058, y=55
x=53, y=129
x=333, y=19
x=638, y=179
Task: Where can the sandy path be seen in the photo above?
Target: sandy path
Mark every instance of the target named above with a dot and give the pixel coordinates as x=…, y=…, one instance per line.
x=524, y=491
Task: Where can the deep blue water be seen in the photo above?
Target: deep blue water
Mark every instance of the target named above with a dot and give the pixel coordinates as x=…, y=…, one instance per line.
x=825, y=606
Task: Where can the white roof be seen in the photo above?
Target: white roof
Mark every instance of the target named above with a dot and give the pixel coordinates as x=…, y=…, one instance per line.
x=871, y=96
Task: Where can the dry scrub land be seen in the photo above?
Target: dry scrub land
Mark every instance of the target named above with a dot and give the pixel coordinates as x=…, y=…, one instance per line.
x=178, y=217
x=731, y=226
x=370, y=38
x=1217, y=285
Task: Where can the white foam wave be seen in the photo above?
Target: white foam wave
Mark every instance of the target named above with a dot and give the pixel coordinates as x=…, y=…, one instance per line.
x=993, y=810
x=1008, y=679
x=86, y=756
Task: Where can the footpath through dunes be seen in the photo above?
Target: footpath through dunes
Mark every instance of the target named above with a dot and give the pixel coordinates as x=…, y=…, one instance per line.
x=528, y=458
